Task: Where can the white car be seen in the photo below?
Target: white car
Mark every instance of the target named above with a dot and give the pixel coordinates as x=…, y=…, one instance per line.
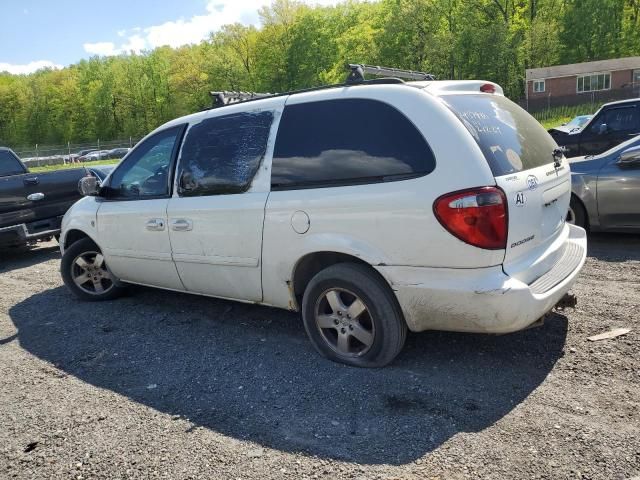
x=372, y=208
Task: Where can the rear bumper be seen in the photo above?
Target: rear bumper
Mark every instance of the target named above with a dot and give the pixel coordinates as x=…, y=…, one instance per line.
x=484, y=300
x=29, y=232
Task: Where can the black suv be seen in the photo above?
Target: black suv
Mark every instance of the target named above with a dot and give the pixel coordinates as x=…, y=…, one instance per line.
x=614, y=123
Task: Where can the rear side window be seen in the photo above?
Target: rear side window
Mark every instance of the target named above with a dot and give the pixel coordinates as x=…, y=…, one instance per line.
x=9, y=164
x=221, y=155
x=344, y=142
x=510, y=138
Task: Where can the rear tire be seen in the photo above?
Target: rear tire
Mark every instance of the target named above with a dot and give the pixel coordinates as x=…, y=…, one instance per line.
x=577, y=214
x=86, y=274
x=351, y=316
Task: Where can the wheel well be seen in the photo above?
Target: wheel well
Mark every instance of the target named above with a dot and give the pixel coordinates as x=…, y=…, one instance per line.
x=311, y=264
x=584, y=209
x=73, y=236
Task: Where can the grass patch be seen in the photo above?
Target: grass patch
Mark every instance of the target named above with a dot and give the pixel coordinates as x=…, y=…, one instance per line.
x=51, y=168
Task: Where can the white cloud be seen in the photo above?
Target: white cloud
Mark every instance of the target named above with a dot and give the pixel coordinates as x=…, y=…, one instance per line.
x=135, y=44
x=100, y=48
x=28, y=68
x=187, y=31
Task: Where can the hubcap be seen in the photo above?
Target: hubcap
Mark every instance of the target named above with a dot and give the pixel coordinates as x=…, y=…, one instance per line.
x=90, y=273
x=344, y=322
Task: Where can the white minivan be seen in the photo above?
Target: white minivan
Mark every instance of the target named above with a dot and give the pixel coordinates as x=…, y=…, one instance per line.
x=372, y=208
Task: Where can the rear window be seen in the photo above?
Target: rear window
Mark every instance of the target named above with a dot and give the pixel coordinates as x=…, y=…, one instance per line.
x=347, y=142
x=510, y=138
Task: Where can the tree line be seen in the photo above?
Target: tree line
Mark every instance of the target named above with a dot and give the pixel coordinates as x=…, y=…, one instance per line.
x=299, y=46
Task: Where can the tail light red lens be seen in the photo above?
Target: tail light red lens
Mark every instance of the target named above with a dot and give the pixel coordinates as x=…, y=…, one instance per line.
x=477, y=216
x=488, y=88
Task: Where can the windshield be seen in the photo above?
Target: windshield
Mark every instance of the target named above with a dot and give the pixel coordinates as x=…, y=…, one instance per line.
x=579, y=121
x=9, y=164
x=510, y=138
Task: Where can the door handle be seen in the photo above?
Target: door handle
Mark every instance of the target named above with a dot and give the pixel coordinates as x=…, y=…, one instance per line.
x=155, y=224
x=31, y=181
x=34, y=197
x=181, y=225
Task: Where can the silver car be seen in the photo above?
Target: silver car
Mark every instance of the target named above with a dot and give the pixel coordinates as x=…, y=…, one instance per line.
x=606, y=189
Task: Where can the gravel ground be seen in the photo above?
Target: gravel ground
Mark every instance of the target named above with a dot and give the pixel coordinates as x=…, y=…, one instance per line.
x=165, y=385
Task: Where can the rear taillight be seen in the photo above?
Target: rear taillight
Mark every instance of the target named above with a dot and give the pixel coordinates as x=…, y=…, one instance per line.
x=477, y=216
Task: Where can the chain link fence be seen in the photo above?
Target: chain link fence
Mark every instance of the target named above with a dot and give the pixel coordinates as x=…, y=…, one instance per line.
x=41, y=155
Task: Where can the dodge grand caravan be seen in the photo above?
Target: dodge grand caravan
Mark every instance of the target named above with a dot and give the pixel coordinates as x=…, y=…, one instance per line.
x=372, y=208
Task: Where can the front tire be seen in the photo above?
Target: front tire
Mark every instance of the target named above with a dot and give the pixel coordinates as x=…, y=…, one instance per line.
x=351, y=316
x=86, y=274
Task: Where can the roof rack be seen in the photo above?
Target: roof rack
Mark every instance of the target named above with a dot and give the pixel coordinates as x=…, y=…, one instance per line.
x=355, y=77
x=227, y=98
x=358, y=71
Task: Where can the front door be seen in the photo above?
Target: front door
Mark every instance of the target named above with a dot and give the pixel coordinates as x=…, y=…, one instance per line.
x=217, y=213
x=132, y=219
x=619, y=196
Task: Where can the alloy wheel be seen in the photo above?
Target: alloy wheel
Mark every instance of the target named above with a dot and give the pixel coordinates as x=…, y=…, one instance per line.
x=344, y=322
x=90, y=273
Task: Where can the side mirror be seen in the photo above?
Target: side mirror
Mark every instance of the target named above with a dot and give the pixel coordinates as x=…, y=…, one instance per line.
x=602, y=129
x=89, y=186
x=630, y=158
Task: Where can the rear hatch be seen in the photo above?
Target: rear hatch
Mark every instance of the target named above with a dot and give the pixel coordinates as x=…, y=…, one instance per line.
x=519, y=152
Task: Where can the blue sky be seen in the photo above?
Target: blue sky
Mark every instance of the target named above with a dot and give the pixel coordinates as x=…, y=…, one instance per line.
x=56, y=33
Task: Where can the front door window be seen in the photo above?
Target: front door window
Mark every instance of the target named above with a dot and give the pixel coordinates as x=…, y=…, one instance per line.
x=146, y=171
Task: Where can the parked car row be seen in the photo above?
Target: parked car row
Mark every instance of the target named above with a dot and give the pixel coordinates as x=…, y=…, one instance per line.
x=89, y=155
x=93, y=155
